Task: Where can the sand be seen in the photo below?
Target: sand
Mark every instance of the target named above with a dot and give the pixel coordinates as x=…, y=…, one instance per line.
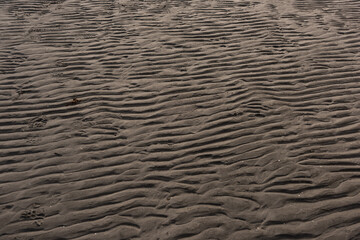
x=175, y=119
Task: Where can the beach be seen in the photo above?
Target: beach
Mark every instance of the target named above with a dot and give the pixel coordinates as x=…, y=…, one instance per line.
x=171, y=119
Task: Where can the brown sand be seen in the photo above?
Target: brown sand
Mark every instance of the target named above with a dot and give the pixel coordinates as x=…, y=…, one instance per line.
x=179, y=119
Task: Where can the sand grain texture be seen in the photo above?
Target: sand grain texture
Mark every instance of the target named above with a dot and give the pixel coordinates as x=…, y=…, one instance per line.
x=179, y=119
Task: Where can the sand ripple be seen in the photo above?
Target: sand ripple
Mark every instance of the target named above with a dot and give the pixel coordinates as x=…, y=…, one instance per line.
x=179, y=119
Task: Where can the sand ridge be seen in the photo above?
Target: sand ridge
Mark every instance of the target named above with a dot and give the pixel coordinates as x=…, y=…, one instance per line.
x=176, y=119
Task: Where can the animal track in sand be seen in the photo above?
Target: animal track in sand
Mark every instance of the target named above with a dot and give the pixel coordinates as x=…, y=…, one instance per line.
x=33, y=214
x=38, y=122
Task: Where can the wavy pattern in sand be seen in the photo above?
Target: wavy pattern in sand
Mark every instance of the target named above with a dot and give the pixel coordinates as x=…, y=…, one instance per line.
x=179, y=119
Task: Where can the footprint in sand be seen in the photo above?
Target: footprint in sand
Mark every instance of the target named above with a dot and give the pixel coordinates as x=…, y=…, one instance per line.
x=36, y=214
x=38, y=122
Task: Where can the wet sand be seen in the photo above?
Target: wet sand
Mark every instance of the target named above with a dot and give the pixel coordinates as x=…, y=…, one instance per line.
x=179, y=119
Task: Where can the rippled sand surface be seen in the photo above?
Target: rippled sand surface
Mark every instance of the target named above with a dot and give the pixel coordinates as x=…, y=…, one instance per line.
x=163, y=120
